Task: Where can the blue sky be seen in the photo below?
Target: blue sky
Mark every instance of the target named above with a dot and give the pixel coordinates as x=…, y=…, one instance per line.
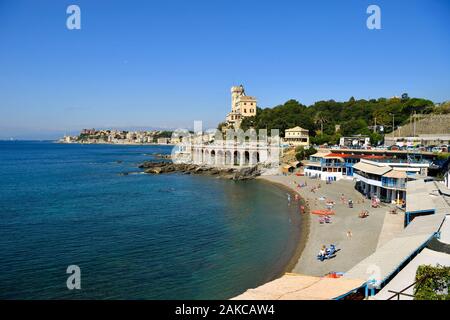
x=168, y=63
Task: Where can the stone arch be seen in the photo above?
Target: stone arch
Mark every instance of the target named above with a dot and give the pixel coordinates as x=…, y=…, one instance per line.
x=228, y=158
x=236, y=158
x=206, y=157
x=212, y=157
x=220, y=157
x=246, y=157
x=255, y=157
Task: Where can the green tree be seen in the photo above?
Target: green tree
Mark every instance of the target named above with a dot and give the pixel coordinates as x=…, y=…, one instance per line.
x=302, y=153
x=320, y=119
x=432, y=283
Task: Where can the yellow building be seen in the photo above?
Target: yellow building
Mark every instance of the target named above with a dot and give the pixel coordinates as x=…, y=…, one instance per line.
x=241, y=106
x=297, y=136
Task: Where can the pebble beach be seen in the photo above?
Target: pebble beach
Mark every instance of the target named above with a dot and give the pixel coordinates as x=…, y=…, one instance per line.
x=355, y=237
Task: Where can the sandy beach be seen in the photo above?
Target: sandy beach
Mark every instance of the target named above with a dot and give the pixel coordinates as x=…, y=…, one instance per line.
x=365, y=236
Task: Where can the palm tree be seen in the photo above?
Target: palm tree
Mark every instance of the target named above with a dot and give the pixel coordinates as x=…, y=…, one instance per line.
x=319, y=118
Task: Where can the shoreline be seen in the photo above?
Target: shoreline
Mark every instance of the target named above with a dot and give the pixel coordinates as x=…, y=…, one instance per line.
x=365, y=233
x=305, y=223
x=116, y=144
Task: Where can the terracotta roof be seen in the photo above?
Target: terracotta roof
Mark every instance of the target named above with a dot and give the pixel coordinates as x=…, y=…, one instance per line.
x=374, y=157
x=337, y=155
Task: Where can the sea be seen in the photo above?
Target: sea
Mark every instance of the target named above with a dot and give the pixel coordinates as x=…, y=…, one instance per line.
x=133, y=235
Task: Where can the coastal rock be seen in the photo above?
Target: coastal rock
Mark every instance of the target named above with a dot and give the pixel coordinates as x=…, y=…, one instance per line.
x=155, y=170
x=161, y=167
x=162, y=156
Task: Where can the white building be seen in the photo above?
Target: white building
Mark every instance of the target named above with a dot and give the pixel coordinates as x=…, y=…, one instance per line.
x=163, y=140
x=241, y=106
x=386, y=178
x=354, y=141
x=297, y=136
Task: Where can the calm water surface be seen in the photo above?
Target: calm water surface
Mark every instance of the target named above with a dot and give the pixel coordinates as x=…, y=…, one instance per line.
x=135, y=236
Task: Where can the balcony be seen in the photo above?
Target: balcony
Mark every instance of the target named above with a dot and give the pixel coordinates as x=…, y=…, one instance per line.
x=361, y=177
x=393, y=183
x=396, y=186
x=333, y=164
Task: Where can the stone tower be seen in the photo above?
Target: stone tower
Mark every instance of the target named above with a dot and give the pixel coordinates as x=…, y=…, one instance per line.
x=241, y=106
x=236, y=93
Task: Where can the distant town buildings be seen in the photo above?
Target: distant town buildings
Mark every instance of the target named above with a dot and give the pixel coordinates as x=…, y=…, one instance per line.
x=92, y=136
x=163, y=140
x=297, y=136
x=241, y=106
x=355, y=141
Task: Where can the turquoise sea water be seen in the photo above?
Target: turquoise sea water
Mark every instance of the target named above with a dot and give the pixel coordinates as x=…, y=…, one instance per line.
x=136, y=236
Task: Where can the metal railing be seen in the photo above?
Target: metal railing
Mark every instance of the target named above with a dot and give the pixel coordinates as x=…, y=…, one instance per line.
x=399, y=293
x=394, y=185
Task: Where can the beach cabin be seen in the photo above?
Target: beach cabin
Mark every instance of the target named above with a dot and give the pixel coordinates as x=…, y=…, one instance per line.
x=386, y=178
x=296, y=164
x=287, y=169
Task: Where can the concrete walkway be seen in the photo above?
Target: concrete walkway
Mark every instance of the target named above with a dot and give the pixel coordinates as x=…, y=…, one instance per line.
x=393, y=225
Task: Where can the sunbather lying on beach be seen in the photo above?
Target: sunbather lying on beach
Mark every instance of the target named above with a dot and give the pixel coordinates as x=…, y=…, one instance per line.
x=364, y=214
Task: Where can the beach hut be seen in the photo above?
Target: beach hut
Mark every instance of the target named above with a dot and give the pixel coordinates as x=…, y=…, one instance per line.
x=296, y=164
x=287, y=169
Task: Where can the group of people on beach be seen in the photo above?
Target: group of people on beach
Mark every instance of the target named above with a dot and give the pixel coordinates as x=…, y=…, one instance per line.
x=326, y=253
x=300, y=185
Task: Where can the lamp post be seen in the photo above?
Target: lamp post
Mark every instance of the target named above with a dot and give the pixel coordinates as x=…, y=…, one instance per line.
x=393, y=125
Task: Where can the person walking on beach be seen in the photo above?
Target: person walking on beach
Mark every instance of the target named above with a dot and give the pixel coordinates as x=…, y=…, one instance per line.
x=349, y=234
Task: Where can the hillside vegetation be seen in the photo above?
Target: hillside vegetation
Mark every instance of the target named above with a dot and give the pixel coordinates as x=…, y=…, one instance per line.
x=328, y=120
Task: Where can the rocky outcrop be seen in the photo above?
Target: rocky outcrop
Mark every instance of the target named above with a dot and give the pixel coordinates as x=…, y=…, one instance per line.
x=246, y=173
x=161, y=156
